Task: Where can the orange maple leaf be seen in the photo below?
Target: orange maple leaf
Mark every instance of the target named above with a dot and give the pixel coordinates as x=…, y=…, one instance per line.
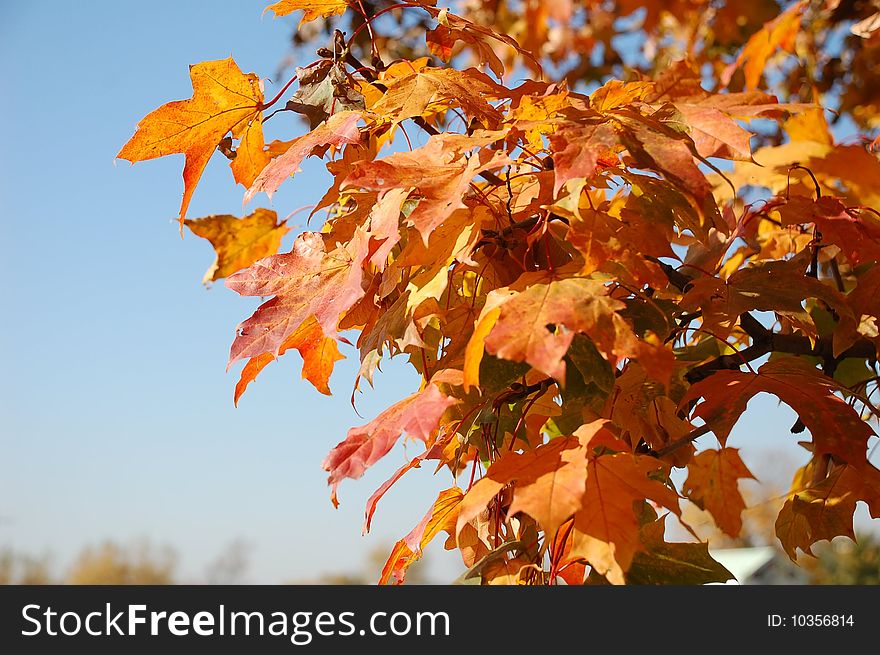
x=318, y=352
x=224, y=100
x=712, y=485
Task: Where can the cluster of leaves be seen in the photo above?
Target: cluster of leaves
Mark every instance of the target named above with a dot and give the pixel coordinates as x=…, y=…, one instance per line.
x=583, y=280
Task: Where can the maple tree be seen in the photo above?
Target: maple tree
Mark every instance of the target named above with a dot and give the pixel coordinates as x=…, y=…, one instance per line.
x=600, y=253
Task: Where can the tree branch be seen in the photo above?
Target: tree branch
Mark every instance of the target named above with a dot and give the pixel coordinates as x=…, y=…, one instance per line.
x=691, y=436
x=765, y=341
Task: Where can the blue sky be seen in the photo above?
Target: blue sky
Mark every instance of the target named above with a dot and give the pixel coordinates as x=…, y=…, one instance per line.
x=116, y=414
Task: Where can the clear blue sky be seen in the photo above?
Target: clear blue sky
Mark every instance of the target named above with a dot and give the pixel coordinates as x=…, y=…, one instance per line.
x=116, y=415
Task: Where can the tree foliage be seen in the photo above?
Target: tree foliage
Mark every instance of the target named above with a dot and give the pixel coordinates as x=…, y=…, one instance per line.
x=622, y=221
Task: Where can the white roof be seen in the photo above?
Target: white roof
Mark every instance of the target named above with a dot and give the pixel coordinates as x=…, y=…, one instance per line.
x=743, y=562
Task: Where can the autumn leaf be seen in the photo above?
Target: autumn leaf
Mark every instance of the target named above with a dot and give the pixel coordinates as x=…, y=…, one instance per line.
x=338, y=130
x=657, y=143
x=606, y=528
x=239, y=242
x=224, y=101
x=836, y=428
x=856, y=233
x=818, y=511
x=452, y=29
x=530, y=323
x=778, y=34
x=312, y=9
x=306, y=282
x=712, y=485
x=711, y=118
x=779, y=286
x=577, y=150
x=440, y=518
x=318, y=352
x=548, y=484
x=324, y=90
x=374, y=499
x=438, y=88
x=417, y=416
x=441, y=180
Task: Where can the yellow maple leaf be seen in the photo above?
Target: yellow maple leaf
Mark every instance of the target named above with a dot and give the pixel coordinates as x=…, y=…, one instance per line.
x=311, y=9
x=239, y=242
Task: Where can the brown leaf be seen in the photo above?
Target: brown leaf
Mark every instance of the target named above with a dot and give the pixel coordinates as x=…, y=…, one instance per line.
x=577, y=150
x=606, y=529
x=373, y=500
x=662, y=562
x=536, y=325
x=556, y=468
x=441, y=174
x=433, y=89
x=779, y=286
x=818, y=511
x=452, y=29
x=324, y=90
x=856, y=233
x=711, y=118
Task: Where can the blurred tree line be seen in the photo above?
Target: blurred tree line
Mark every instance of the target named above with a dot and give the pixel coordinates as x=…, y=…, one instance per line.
x=142, y=563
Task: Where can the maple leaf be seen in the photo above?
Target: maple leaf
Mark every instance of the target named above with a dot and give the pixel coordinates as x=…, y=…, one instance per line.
x=239, y=242
x=712, y=485
x=324, y=90
x=778, y=34
x=836, y=428
x=308, y=281
x=441, y=517
x=224, y=101
x=441, y=180
x=819, y=511
x=856, y=233
x=452, y=29
x=339, y=129
x=537, y=324
x=779, y=286
x=711, y=118
x=618, y=246
x=418, y=416
x=437, y=88
x=661, y=562
x=312, y=9
x=577, y=150
x=318, y=352
x=606, y=528
x=548, y=484
x=657, y=142
x=374, y=499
